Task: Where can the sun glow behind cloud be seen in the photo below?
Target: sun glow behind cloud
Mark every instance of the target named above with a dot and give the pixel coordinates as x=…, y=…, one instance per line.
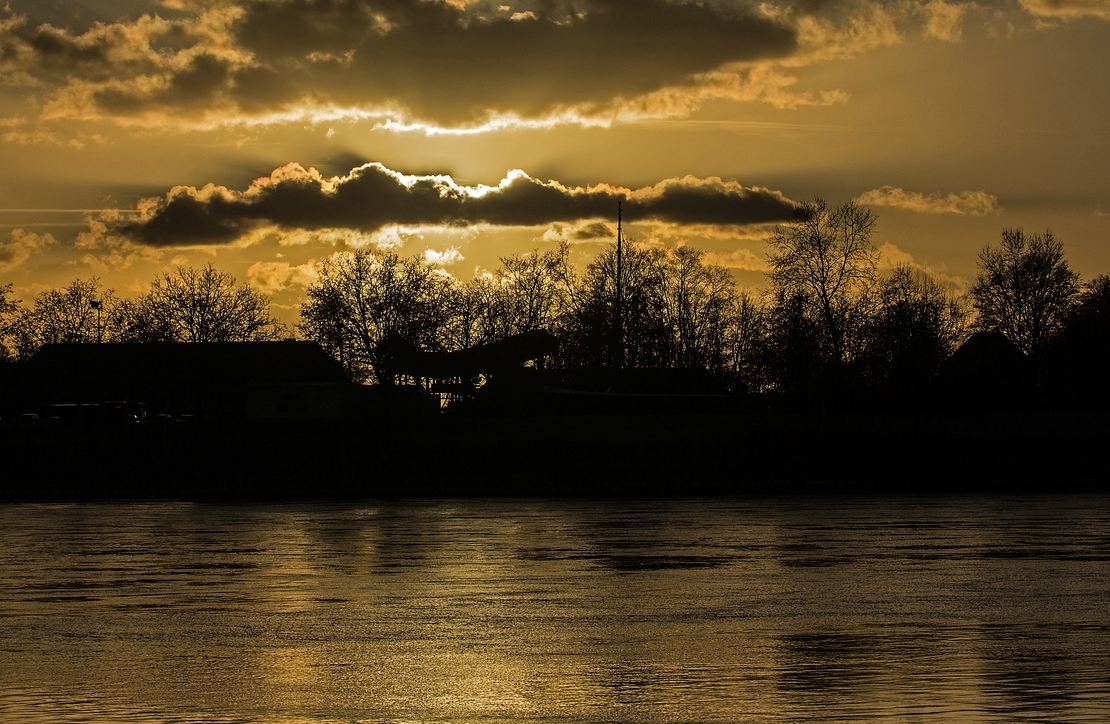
x=372, y=197
x=115, y=97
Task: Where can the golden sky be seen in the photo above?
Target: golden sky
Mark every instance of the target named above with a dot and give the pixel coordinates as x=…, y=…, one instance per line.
x=266, y=135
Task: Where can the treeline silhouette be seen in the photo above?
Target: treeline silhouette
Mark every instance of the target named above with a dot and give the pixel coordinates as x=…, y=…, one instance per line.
x=831, y=327
x=187, y=305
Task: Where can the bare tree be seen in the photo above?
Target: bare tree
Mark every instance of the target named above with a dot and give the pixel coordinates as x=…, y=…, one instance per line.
x=136, y=320
x=533, y=288
x=795, y=352
x=826, y=260
x=475, y=316
x=9, y=308
x=918, y=323
x=1077, y=356
x=527, y=292
x=205, y=305
x=363, y=304
x=746, y=344
x=698, y=305
x=326, y=317
x=1091, y=313
x=79, y=312
x=1025, y=289
x=645, y=338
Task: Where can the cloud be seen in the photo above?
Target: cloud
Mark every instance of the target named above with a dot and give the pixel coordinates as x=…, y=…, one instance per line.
x=427, y=61
x=760, y=84
x=825, y=30
x=1068, y=9
x=892, y=257
x=393, y=236
x=579, y=232
x=454, y=66
x=836, y=30
x=692, y=200
x=443, y=258
x=744, y=259
x=109, y=252
x=670, y=233
x=373, y=197
x=944, y=21
x=23, y=132
x=595, y=230
x=105, y=53
x=276, y=276
x=451, y=66
x=968, y=203
x=20, y=246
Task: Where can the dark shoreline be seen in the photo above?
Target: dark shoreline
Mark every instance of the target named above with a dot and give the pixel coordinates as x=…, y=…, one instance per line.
x=554, y=456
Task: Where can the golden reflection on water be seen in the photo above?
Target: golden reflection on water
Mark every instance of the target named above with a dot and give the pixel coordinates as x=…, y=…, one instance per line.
x=667, y=611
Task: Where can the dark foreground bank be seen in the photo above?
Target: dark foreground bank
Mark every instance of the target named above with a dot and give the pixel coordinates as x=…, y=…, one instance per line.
x=605, y=456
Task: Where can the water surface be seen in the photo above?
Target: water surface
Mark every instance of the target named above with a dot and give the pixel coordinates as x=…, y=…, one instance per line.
x=822, y=609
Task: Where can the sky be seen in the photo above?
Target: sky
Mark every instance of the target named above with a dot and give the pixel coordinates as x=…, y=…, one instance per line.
x=264, y=136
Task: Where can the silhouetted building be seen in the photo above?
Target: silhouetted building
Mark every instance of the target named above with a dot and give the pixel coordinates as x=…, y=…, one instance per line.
x=506, y=355
x=219, y=380
x=460, y=375
x=987, y=370
x=635, y=391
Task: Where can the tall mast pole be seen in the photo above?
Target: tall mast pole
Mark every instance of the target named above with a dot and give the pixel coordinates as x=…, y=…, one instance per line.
x=618, y=322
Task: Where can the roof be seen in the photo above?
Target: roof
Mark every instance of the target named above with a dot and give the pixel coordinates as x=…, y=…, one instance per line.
x=985, y=355
x=500, y=356
x=186, y=364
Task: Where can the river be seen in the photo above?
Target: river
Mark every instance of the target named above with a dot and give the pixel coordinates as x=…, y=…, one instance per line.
x=691, y=610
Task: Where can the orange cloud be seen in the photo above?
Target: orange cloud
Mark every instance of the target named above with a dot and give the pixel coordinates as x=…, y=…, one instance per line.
x=944, y=21
x=744, y=259
x=276, y=276
x=1068, y=9
x=969, y=203
x=20, y=246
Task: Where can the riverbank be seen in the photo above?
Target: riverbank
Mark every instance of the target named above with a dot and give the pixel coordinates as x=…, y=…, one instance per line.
x=610, y=456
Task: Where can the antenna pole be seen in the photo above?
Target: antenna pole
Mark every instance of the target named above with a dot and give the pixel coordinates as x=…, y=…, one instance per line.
x=618, y=321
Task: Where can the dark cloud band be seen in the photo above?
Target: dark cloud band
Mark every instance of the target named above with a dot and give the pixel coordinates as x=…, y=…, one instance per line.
x=445, y=65
x=425, y=60
x=373, y=196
